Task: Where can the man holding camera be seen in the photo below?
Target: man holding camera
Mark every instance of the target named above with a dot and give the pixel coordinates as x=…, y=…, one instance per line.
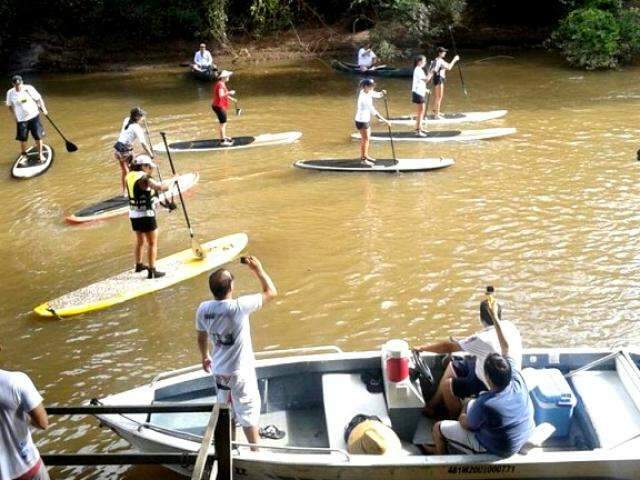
x=225, y=322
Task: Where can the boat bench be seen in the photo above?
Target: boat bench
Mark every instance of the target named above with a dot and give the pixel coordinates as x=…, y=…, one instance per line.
x=609, y=403
x=345, y=395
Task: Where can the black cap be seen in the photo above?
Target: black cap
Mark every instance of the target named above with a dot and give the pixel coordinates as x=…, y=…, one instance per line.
x=137, y=112
x=367, y=82
x=441, y=49
x=16, y=79
x=490, y=289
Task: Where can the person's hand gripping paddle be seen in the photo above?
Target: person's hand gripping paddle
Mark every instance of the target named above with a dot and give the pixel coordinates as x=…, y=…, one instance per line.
x=195, y=245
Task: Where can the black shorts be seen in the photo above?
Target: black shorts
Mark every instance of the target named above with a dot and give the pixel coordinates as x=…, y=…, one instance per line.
x=32, y=126
x=144, y=224
x=438, y=80
x=362, y=125
x=415, y=98
x=466, y=383
x=221, y=113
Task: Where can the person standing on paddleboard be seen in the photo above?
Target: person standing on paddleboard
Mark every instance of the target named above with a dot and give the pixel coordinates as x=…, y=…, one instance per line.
x=220, y=105
x=364, y=111
x=419, y=91
x=140, y=190
x=25, y=103
x=123, y=149
x=439, y=68
x=224, y=323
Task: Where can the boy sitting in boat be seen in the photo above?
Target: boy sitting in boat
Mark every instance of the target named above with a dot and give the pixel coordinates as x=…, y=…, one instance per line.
x=500, y=420
x=465, y=377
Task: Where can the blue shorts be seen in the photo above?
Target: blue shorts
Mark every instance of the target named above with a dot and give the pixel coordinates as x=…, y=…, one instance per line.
x=32, y=126
x=466, y=383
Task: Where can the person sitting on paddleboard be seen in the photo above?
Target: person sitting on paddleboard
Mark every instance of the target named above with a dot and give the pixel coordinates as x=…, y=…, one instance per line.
x=123, y=148
x=202, y=60
x=363, y=117
x=439, y=67
x=220, y=104
x=25, y=104
x=366, y=57
x=140, y=190
x=419, y=91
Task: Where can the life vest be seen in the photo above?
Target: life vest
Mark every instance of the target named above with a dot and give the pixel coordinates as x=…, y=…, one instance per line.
x=140, y=200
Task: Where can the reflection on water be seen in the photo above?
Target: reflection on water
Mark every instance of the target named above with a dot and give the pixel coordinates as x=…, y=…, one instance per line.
x=548, y=216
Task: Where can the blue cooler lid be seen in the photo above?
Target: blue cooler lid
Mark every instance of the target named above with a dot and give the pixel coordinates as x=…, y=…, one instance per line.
x=554, y=388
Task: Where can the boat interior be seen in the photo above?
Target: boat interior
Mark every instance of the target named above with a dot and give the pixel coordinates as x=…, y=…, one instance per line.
x=314, y=398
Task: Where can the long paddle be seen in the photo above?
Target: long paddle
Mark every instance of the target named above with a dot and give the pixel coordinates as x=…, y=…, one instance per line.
x=71, y=147
x=170, y=205
x=393, y=148
x=195, y=246
x=455, y=52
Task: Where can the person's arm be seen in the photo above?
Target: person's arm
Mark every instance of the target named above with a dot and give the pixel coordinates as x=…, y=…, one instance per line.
x=157, y=186
x=447, y=346
x=39, y=417
x=473, y=418
x=504, y=344
x=450, y=65
x=269, y=291
x=203, y=347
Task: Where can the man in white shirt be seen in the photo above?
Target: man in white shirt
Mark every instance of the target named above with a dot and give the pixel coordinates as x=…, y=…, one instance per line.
x=25, y=104
x=203, y=60
x=20, y=407
x=465, y=377
x=224, y=322
x=366, y=57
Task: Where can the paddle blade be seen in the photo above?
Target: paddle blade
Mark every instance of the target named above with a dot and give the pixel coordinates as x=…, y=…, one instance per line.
x=197, y=249
x=71, y=147
x=238, y=112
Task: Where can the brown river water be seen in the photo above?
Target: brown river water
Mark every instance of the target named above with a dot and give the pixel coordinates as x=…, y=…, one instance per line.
x=549, y=216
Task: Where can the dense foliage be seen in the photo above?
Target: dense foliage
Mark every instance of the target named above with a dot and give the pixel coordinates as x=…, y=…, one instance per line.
x=599, y=34
x=593, y=34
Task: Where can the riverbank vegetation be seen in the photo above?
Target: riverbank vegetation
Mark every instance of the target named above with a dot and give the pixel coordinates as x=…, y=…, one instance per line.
x=87, y=34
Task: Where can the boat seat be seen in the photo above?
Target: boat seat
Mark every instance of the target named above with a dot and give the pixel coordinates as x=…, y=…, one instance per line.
x=345, y=395
x=608, y=405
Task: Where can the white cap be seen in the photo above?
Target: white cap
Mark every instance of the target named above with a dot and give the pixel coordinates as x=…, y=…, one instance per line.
x=144, y=160
x=225, y=73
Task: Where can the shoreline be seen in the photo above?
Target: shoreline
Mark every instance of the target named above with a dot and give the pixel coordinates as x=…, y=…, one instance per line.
x=79, y=56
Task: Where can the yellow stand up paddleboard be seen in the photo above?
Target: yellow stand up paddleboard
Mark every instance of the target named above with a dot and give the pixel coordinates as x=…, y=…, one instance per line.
x=127, y=285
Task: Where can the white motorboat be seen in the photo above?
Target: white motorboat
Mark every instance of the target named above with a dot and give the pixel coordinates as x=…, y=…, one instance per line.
x=312, y=394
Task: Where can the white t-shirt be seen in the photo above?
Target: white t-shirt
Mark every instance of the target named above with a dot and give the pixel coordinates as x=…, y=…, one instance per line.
x=365, y=105
x=439, y=67
x=18, y=396
x=227, y=323
x=366, y=58
x=132, y=133
x=485, y=342
x=23, y=102
x=419, y=85
x=203, y=59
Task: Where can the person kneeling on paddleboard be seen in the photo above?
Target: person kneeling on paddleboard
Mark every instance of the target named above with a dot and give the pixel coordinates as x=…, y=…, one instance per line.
x=123, y=148
x=364, y=111
x=140, y=187
x=220, y=104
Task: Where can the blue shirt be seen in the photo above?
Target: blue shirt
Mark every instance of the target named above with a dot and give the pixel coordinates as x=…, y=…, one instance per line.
x=502, y=421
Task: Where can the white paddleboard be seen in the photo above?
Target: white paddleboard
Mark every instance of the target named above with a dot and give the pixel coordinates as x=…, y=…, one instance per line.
x=440, y=135
x=382, y=165
x=29, y=165
x=213, y=145
x=450, y=118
